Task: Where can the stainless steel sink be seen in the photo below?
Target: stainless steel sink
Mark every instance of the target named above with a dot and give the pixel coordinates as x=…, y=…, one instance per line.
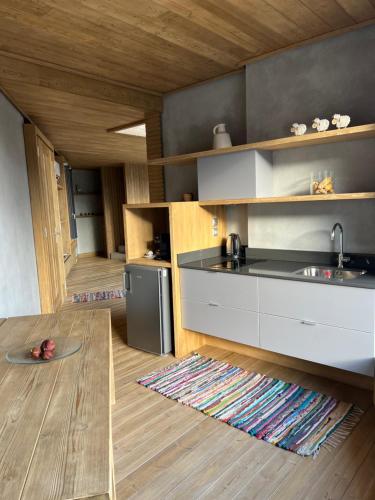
x=331, y=273
x=234, y=264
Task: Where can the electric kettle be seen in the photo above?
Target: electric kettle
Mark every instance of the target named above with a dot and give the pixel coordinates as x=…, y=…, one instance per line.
x=234, y=245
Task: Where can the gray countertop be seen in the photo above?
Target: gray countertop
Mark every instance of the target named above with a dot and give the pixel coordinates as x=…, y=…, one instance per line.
x=280, y=269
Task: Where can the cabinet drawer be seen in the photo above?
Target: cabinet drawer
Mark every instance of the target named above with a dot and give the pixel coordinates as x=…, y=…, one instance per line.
x=227, y=290
x=231, y=324
x=341, y=306
x=338, y=347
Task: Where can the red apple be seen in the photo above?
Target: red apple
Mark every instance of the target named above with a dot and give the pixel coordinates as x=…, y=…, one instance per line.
x=48, y=345
x=35, y=352
x=47, y=355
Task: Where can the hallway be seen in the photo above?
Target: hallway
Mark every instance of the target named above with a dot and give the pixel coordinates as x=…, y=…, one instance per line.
x=92, y=274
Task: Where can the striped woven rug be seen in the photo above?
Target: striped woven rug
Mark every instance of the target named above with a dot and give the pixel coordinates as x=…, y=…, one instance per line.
x=102, y=295
x=281, y=413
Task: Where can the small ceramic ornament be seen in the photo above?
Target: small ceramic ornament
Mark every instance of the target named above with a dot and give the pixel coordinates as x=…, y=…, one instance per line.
x=341, y=121
x=298, y=128
x=320, y=125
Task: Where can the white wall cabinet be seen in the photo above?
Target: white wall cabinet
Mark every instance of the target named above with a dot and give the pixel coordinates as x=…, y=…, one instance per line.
x=210, y=318
x=222, y=305
x=244, y=174
x=341, y=306
x=350, y=350
x=326, y=324
x=227, y=290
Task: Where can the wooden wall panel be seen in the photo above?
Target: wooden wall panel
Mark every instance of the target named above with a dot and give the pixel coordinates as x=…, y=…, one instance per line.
x=46, y=219
x=191, y=229
x=113, y=190
x=136, y=183
x=155, y=150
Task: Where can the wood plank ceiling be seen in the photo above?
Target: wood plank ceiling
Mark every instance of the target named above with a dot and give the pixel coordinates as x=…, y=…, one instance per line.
x=155, y=46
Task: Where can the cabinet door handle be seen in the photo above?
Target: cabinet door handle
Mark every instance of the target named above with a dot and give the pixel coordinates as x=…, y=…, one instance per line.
x=308, y=323
x=213, y=304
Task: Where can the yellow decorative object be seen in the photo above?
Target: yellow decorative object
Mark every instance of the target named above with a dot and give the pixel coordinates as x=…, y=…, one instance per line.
x=323, y=187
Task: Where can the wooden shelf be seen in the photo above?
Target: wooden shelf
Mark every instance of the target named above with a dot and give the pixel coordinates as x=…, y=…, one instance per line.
x=291, y=199
x=164, y=204
x=86, y=216
x=330, y=136
x=142, y=261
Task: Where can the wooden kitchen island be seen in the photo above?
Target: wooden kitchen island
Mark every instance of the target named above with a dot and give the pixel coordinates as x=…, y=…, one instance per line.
x=55, y=418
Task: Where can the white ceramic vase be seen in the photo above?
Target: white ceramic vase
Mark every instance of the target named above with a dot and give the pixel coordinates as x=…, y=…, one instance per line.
x=221, y=137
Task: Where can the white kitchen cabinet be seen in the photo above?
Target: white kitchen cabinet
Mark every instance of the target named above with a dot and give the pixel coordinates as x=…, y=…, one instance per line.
x=228, y=290
x=333, y=305
x=338, y=347
x=327, y=324
x=238, y=325
x=245, y=174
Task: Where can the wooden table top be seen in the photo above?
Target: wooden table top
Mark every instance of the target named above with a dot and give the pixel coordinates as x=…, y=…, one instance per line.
x=55, y=418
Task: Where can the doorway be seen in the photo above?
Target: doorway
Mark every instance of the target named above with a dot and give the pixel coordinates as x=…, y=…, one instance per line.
x=88, y=206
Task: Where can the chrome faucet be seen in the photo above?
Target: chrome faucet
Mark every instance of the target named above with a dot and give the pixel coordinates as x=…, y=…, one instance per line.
x=341, y=258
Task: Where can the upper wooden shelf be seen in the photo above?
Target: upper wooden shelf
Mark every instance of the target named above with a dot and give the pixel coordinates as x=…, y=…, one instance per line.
x=339, y=135
x=163, y=204
x=291, y=199
x=143, y=261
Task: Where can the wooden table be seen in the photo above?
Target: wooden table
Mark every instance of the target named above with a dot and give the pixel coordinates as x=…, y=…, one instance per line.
x=55, y=418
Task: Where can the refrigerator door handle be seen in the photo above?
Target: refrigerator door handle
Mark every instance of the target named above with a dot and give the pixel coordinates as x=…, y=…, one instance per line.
x=127, y=283
x=161, y=322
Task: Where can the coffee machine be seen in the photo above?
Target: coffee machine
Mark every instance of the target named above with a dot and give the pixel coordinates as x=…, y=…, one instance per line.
x=162, y=247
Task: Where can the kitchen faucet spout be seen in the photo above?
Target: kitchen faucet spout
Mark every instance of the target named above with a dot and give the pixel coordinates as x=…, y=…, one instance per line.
x=341, y=258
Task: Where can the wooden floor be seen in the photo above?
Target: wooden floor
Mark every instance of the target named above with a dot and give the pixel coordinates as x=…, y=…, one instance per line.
x=164, y=450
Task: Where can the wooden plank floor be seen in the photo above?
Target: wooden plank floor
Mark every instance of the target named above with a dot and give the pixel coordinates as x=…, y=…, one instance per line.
x=164, y=450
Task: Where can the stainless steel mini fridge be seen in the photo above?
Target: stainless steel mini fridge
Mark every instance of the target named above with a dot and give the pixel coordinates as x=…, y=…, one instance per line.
x=148, y=308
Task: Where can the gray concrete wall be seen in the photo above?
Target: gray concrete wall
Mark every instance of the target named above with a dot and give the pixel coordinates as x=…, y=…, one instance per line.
x=306, y=226
x=352, y=165
x=335, y=75
x=237, y=221
x=19, y=292
x=332, y=76
x=188, y=119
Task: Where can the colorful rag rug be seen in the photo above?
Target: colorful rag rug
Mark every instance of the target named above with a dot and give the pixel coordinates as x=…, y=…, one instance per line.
x=281, y=413
x=102, y=295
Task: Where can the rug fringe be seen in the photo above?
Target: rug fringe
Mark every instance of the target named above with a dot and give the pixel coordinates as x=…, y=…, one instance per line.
x=344, y=428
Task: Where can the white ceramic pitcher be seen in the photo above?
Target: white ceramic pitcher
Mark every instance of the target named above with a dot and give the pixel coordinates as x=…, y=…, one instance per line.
x=221, y=137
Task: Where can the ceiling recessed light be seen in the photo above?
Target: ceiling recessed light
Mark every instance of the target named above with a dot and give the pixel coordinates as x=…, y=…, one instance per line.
x=138, y=130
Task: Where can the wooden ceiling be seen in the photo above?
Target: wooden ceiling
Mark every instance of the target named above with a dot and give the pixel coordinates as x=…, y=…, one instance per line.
x=76, y=125
x=151, y=46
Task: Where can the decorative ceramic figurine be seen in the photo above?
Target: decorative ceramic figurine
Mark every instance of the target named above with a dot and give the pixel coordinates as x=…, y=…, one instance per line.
x=298, y=128
x=221, y=137
x=320, y=125
x=341, y=121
